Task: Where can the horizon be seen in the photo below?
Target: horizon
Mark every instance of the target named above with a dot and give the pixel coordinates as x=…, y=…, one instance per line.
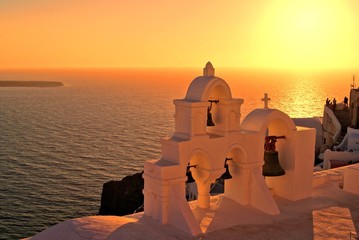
x=198, y=68
x=139, y=34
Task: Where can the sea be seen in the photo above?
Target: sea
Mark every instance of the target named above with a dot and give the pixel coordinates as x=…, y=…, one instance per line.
x=59, y=145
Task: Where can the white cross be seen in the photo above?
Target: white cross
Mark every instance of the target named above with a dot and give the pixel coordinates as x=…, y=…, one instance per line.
x=266, y=99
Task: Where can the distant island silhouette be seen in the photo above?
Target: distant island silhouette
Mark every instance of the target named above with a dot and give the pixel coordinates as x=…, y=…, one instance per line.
x=30, y=84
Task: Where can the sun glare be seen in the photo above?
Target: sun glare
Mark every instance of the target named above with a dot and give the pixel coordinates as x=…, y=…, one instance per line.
x=307, y=21
x=307, y=34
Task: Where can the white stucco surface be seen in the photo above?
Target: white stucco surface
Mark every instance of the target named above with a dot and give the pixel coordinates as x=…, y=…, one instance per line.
x=314, y=122
x=351, y=179
x=331, y=213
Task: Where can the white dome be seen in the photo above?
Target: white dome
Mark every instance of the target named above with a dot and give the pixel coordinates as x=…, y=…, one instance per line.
x=208, y=87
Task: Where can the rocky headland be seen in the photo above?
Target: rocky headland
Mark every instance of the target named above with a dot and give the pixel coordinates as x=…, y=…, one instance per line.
x=122, y=197
x=30, y=84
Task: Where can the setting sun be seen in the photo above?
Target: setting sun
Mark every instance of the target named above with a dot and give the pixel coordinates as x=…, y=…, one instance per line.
x=307, y=34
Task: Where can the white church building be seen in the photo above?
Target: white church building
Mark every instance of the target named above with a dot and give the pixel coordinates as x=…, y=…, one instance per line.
x=204, y=148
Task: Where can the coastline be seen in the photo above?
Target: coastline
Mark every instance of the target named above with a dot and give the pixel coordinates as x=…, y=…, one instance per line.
x=4, y=83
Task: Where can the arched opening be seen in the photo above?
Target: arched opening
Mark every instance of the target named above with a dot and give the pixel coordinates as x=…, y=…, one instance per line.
x=215, y=95
x=197, y=187
x=197, y=173
x=206, y=184
x=271, y=122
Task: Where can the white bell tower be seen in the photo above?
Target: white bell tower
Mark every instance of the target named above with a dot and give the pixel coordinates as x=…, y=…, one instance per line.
x=203, y=149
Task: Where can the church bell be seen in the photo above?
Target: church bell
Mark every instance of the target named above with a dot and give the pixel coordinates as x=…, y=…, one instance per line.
x=227, y=174
x=271, y=167
x=210, y=122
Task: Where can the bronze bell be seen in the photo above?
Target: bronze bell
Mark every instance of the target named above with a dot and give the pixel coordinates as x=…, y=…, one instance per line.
x=226, y=175
x=271, y=167
x=190, y=178
x=210, y=122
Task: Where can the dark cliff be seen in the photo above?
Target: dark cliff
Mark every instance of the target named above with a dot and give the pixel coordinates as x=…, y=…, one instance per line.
x=122, y=197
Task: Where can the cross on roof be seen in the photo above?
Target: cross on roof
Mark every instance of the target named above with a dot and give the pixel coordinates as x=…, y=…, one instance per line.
x=266, y=99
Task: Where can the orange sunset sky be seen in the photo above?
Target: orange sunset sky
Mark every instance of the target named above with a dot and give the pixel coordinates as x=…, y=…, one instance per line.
x=165, y=33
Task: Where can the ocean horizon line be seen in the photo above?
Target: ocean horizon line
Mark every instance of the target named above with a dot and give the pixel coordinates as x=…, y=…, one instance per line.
x=245, y=68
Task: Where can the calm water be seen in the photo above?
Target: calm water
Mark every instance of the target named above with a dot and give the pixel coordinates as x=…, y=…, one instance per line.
x=59, y=145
